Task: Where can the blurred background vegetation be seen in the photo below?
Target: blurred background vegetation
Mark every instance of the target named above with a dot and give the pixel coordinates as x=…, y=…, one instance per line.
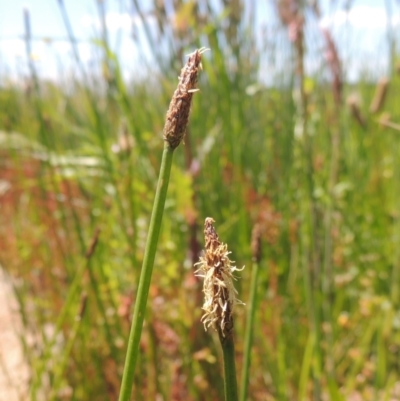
x=309, y=155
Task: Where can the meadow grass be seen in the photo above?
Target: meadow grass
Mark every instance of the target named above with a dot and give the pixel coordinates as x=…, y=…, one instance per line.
x=79, y=167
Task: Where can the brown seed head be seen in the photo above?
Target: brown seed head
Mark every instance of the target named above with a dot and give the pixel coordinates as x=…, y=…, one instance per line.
x=179, y=108
x=219, y=293
x=353, y=102
x=380, y=95
x=210, y=235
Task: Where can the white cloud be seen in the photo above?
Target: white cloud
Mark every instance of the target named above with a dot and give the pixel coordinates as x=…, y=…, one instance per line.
x=361, y=17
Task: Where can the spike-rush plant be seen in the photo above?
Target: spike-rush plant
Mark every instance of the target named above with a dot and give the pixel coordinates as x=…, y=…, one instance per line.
x=174, y=131
x=219, y=300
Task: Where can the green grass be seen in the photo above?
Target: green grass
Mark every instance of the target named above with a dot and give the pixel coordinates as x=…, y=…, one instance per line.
x=328, y=283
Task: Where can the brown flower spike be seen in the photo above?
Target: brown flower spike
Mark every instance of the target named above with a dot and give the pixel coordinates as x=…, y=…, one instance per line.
x=179, y=108
x=219, y=293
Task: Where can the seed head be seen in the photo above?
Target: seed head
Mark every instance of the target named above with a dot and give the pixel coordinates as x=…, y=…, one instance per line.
x=380, y=95
x=219, y=292
x=353, y=102
x=178, y=113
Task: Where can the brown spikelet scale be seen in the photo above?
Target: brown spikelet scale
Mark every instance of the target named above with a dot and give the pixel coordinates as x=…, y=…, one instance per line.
x=219, y=293
x=178, y=113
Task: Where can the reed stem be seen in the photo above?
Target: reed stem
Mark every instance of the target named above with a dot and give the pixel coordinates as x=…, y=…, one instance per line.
x=230, y=383
x=145, y=276
x=249, y=332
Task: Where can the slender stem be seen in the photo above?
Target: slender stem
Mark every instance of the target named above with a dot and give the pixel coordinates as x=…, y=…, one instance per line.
x=145, y=275
x=249, y=332
x=230, y=384
x=60, y=367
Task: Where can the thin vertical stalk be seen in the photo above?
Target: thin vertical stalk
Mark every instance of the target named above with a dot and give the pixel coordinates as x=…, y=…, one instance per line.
x=327, y=273
x=256, y=251
x=314, y=274
x=174, y=131
x=230, y=384
x=249, y=332
x=145, y=276
x=62, y=365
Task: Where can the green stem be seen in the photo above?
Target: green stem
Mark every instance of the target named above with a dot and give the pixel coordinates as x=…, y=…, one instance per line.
x=230, y=384
x=61, y=366
x=145, y=275
x=249, y=332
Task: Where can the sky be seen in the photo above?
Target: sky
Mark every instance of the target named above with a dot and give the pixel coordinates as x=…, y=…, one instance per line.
x=361, y=33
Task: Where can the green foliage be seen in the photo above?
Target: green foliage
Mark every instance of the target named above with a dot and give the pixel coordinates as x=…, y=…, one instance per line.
x=324, y=187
